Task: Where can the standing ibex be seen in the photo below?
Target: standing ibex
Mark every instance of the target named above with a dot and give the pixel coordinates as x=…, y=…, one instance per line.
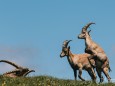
x=97, y=53
x=18, y=72
x=78, y=61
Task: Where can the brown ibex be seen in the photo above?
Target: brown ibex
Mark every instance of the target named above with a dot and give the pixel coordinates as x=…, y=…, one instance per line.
x=97, y=53
x=78, y=61
x=18, y=72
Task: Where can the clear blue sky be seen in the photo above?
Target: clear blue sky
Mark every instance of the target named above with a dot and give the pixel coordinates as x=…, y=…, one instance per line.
x=32, y=32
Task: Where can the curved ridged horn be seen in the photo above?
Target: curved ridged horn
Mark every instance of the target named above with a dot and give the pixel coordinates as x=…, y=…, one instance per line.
x=28, y=72
x=66, y=42
x=11, y=63
x=86, y=27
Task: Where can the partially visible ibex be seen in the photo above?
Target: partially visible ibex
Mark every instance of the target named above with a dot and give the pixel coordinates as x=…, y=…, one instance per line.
x=98, y=54
x=18, y=72
x=78, y=61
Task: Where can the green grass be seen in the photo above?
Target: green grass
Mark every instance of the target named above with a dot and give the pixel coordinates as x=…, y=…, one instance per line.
x=45, y=81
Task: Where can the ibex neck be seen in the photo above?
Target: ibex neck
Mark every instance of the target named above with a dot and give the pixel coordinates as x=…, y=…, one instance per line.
x=70, y=54
x=69, y=57
x=88, y=41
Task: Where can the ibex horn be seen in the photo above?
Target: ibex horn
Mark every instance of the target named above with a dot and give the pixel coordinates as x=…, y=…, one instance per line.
x=86, y=27
x=11, y=63
x=66, y=42
x=28, y=72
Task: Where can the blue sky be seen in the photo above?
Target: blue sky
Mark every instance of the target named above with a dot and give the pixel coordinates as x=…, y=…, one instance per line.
x=32, y=33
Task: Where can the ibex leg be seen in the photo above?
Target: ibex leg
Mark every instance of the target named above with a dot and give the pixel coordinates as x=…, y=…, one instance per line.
x=105, y=71
x=99, y=72
x=80, y=73
x=92, y=74
x=75, y=74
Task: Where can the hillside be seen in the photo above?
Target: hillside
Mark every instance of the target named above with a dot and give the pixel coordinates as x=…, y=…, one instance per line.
x=45, y=81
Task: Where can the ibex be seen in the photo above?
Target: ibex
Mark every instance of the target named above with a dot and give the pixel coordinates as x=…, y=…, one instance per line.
x=78, y=62
x=97, y=53
x=18, y=72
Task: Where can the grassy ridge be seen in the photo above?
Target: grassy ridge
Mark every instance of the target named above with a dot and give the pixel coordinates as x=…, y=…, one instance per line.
x=45, y=81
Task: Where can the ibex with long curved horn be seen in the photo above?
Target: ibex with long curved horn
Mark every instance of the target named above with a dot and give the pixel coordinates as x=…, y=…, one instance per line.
x=97, y=53
x=18, y=72
x=78, y=61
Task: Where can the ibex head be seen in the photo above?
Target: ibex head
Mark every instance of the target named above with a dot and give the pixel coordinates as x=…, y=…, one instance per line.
x=65, y=48
x=84, y=31
x=18, y=72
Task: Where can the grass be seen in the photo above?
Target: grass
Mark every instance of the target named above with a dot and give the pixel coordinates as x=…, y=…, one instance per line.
x=45, y=81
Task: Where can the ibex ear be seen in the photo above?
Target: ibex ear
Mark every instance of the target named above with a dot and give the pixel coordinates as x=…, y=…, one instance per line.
x=89, y=32
x=69, y=47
